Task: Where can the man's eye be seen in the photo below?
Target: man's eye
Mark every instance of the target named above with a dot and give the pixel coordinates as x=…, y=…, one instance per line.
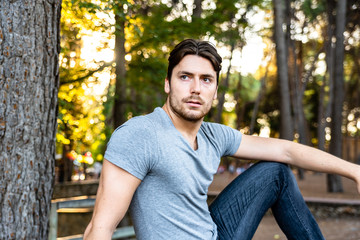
x=207, y=80
x=184, y=77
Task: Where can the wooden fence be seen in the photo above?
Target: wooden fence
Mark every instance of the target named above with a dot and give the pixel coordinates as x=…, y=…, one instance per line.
x=79, y=202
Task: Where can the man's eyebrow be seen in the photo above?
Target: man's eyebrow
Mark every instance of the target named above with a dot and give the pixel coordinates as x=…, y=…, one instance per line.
x=185, y=73
x=207, y=75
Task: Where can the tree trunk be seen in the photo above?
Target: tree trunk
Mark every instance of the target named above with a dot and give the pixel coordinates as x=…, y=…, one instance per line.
x=300, y=87
x=65, y=164
x=29, y=79
x=258, y=100
x=197, y=9
x=286, y=131
x=221, y=97
x=68, y=164
x=119, y=109
x=321, y=118
x=325, y=110
x=334, y=181
x=294, y=82
x=238, y=107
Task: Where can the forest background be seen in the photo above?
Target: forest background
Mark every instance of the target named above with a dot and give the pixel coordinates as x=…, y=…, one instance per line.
x=290, y=70
x=74, y=70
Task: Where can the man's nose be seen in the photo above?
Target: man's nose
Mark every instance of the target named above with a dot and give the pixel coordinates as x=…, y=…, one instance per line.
x=196, y=86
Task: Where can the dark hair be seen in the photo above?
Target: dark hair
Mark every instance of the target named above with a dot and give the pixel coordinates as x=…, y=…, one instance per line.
x=194, y=47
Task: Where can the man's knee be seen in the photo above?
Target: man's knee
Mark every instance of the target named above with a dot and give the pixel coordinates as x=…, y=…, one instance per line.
x=276, y=169
x=273, y=166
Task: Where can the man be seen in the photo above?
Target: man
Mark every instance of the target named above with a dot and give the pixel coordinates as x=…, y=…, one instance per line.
x=162, y=164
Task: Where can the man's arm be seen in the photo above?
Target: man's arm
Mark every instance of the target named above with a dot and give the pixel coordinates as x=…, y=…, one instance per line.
x=272, y=149
x=116, y=189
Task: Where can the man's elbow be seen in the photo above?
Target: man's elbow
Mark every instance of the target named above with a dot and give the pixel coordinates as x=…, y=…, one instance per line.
x=93, y=232
x=89, y=232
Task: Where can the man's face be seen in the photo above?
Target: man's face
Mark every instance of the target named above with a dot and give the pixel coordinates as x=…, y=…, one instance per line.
x=193, y=88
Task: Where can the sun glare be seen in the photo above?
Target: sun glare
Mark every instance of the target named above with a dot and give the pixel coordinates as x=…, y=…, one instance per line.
x=97, y=47
x=93, y=48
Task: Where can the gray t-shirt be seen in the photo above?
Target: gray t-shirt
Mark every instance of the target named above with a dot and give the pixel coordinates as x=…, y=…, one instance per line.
x=170, y=202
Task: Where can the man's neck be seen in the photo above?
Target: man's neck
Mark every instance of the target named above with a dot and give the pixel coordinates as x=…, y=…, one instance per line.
x=188, y=129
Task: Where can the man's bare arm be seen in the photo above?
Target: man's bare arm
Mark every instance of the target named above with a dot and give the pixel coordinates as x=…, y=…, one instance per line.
x=272, y=149
x=116, y=189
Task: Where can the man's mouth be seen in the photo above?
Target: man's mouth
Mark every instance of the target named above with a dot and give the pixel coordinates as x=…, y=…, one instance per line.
x=193, y=102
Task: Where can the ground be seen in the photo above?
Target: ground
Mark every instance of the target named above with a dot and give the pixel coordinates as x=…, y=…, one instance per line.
x=314, y=185
x=332, y=229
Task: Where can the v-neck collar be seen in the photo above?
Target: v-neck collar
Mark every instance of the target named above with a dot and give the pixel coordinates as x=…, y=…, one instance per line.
x=171, y=125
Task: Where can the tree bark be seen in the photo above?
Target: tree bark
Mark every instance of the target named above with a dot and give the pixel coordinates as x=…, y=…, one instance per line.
x=29, y=80
x=119, y=109
x=286, y=131
x=334, y=181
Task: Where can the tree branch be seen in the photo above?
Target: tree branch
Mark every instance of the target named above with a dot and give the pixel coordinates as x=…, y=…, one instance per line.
x=80, y=79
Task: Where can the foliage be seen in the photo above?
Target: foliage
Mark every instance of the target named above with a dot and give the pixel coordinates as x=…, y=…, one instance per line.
x=152, y=28
x=80, y=120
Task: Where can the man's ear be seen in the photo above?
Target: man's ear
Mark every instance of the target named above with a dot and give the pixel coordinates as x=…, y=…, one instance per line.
x=167, y=86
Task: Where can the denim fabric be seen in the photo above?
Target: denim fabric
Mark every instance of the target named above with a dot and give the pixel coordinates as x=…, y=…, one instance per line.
x=238, y=210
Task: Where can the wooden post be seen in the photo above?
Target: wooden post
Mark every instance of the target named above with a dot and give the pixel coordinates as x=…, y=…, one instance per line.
x=53, y=221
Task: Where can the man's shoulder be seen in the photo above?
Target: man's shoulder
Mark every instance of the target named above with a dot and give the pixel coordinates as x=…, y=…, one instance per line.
x=211, y=126
x=218, y=130
x=146, y=122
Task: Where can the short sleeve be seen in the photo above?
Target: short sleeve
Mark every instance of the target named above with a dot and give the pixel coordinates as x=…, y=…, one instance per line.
x=225, y=138
x=133, y=147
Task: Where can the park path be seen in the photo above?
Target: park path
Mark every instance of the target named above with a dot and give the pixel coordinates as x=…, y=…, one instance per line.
x=332, y=229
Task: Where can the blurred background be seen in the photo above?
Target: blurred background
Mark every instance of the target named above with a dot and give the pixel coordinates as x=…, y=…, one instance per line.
x=290, y=71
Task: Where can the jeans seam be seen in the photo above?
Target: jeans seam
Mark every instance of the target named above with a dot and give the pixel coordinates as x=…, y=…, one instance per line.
x=296, y=209
x=249, y=203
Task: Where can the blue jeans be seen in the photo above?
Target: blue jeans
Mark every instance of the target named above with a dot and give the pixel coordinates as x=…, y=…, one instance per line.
x=239, y=208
